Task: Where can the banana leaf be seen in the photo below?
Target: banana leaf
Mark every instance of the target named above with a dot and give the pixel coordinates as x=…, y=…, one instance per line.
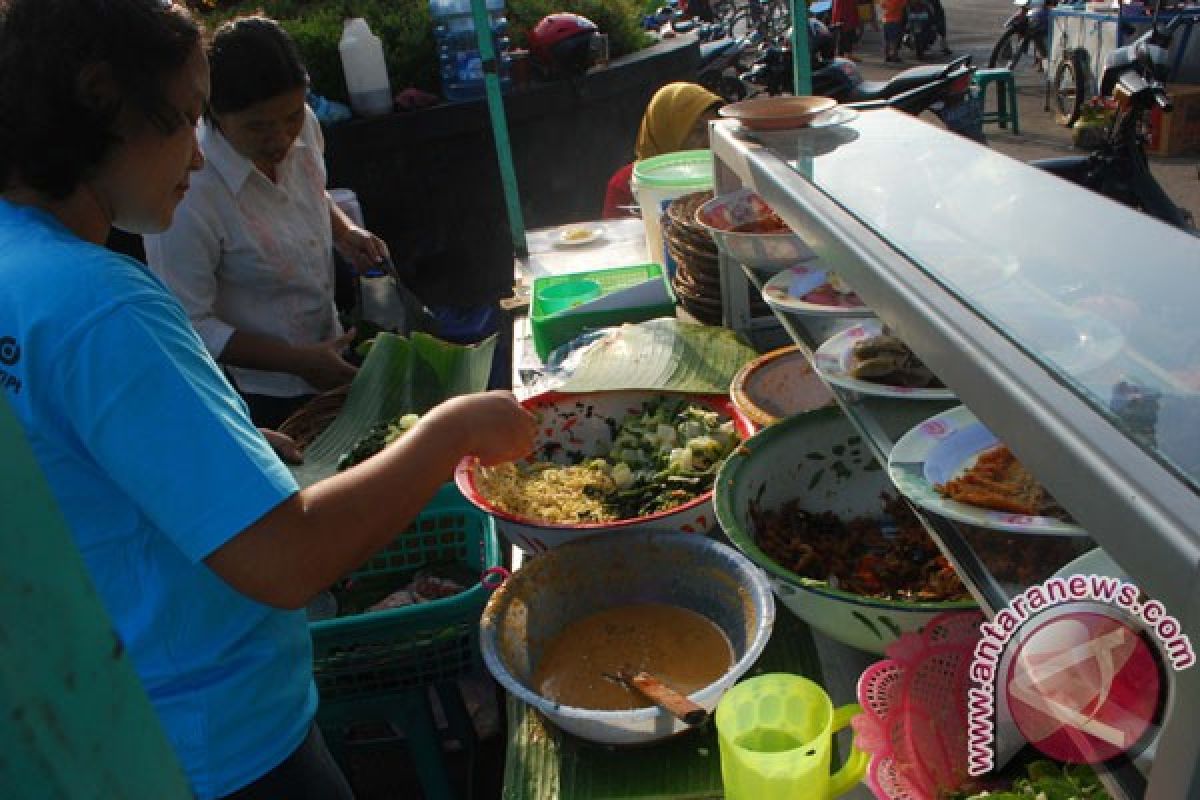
x=660, y=354
x=399, y=376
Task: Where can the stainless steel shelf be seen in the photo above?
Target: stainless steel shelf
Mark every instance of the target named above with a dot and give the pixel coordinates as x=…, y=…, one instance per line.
x=1140, y=509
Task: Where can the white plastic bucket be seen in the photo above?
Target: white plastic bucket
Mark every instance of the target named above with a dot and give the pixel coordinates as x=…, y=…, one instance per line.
x=659, y=180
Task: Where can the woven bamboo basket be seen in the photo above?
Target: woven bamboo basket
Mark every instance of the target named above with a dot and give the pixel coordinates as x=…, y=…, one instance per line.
x=311, y=420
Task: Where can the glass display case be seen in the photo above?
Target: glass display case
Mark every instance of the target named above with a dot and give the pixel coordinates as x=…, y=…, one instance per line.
x=1065, y=322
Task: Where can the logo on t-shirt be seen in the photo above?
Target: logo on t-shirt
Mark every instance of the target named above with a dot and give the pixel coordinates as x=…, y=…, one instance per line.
x=10, y=354
x=10, y=351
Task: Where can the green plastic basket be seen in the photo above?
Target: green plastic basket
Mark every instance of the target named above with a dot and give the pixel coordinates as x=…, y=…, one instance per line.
x=552, y=330
x=384, y=652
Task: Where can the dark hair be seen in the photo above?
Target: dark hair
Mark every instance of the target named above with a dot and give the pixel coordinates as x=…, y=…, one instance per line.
x=252, y=59
x=51, y=134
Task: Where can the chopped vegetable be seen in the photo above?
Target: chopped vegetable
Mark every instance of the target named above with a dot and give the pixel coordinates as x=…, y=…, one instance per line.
x=377, y=438
x=661, y=456
x=1047, y=781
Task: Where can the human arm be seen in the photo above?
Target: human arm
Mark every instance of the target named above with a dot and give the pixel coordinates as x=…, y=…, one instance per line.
x=187, y=256
x=168, y=432
x=320, y=364
x=357, y=245
x=618, y=197
x=312, y=539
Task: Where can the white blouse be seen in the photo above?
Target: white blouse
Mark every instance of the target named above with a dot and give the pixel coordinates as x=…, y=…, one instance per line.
x=246, y=253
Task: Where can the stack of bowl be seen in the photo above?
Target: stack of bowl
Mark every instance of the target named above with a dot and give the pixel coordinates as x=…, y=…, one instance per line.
x=697, y=279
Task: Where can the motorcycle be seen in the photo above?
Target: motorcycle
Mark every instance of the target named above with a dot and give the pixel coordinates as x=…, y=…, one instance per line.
x=919, y=32
x=1134, y=76
x=944, y=89
x=1025, y=29
x=721, y=64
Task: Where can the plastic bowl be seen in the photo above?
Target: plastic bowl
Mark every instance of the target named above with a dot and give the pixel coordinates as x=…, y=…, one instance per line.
x=582, y=424
x=820, y=458
x=603, y=571
x=561, y=296
x=762, y=251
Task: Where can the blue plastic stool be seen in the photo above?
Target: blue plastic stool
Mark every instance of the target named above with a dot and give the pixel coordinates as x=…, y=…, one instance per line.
x=1006, y=96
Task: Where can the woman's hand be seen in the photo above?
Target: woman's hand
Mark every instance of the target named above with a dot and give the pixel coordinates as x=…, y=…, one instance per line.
x=361, y=248
x=322, y=365
x=283, y=445
x=496, y=429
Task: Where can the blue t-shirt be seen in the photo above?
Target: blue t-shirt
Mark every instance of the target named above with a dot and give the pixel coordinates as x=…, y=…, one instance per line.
x=155, y=464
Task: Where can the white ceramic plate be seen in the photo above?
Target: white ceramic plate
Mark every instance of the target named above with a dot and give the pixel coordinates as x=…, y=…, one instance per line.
x=834, y=360
x=575, y=235
x=838, y=115
x=941, y=448
x=787, y=289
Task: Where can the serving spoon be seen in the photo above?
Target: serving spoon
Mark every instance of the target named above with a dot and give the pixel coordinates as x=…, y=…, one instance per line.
x=668, y=699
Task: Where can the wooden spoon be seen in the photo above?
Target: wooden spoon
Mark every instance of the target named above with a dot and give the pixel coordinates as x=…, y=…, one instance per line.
x=673, y=702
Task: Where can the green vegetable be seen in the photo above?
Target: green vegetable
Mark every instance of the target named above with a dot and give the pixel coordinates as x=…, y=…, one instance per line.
x=377, y=438
x=1046, y=781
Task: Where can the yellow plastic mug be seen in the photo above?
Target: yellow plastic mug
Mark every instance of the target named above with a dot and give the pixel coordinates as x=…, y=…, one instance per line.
x=775, y=732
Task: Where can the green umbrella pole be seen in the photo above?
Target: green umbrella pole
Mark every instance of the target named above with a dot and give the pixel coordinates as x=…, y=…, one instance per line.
x=801, y=61
x=495, y=101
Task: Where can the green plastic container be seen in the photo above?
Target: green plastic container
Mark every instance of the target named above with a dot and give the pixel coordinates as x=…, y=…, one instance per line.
x=659, y=180
x=553, y=329
x=383, y=652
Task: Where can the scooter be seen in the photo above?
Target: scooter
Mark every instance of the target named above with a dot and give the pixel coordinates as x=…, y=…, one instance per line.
x=721, y=63
x=949, y=84
x=1134, y=75
x=919, y=32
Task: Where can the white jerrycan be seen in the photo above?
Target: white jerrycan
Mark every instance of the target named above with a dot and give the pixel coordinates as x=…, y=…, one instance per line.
x=365, y=70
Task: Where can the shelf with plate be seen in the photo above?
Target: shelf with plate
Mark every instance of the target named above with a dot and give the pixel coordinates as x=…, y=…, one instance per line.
x=1074, y=344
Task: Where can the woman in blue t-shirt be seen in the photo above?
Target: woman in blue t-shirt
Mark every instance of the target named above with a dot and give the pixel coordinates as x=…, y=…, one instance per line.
x=200, y=544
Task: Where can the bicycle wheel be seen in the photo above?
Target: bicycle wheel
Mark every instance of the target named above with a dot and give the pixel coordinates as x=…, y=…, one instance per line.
x=1069, y=90
x=1012, y=52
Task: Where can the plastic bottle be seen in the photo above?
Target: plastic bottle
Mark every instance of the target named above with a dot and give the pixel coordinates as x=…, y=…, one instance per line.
x=459, y=62
x=365, y=69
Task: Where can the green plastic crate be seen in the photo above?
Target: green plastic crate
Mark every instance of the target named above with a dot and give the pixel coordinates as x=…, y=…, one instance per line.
x=552, y=330
x=383, y=652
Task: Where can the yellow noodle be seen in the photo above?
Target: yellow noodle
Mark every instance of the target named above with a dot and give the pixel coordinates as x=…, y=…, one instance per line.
x=549, y=492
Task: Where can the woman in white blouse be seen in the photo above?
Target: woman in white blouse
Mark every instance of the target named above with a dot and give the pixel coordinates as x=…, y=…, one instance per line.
x=250, y=252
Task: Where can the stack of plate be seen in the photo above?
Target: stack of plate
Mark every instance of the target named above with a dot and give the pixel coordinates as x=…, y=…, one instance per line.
x=697, y=279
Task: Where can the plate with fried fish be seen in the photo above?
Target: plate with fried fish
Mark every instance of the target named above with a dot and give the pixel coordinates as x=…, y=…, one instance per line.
x=952, y=465
x=867, y=358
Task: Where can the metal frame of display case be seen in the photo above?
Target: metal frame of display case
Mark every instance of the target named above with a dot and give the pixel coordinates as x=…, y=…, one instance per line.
x=1111, y=485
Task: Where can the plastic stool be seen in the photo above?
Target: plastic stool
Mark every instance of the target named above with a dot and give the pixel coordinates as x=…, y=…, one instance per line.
x=407, y=712
x=1006, y=96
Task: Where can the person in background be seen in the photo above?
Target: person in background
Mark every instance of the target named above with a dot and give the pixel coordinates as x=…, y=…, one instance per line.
x=197, y=539
x=892, y=13
x=866, y=14
x=250, y=253
x=676, y=118
x=939, y=24
x=845, y=12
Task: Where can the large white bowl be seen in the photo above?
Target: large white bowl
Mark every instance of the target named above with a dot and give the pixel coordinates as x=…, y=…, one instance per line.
x=820, y=458
x=581, y=425
x=605, y=571
x=766, y=252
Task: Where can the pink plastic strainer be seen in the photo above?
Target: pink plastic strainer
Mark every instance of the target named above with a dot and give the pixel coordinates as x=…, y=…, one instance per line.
x=914, y=718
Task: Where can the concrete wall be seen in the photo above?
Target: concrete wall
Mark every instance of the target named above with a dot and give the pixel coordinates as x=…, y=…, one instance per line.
x=429, y=184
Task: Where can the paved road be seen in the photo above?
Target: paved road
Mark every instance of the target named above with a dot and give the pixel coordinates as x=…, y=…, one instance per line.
x=974, y=26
